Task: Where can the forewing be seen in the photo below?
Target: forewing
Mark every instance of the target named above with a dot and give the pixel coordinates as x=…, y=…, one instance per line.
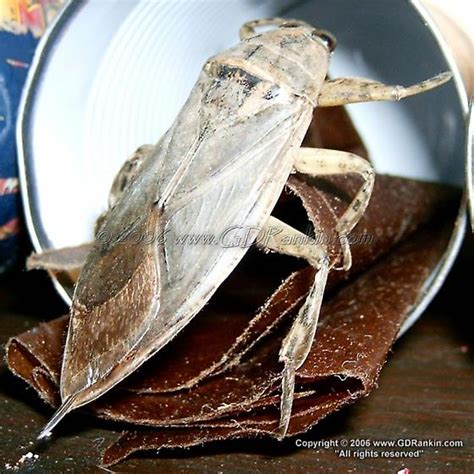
x=221, y=165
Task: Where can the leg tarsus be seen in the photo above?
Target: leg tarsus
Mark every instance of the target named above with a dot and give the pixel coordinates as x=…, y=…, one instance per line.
x=287, y=395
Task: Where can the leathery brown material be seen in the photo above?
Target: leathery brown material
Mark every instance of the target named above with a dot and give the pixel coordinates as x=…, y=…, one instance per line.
x=358, y=326
x=219, y=379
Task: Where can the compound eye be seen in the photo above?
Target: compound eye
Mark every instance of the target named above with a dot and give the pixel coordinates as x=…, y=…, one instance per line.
x=327, y=38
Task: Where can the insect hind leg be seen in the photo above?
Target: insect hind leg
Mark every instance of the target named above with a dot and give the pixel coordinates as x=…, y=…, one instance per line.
x=297, y=344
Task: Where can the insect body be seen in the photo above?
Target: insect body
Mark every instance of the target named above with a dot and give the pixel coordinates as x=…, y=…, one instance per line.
x=222, y=164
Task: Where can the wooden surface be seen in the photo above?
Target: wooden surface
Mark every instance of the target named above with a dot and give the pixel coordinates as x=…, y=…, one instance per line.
x=425, y=392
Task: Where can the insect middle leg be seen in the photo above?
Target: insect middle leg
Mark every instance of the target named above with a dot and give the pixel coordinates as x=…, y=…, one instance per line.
x=317, y=162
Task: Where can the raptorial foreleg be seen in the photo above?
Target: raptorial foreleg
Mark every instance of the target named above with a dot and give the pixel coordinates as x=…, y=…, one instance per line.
x=350, y=90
